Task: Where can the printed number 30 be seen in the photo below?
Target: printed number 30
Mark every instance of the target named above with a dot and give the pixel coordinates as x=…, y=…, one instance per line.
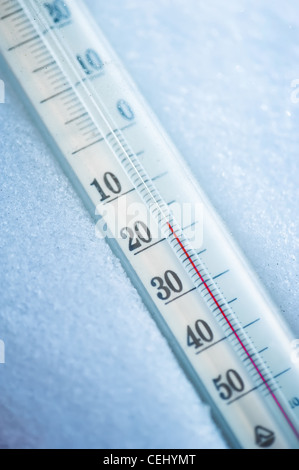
x=170, y=283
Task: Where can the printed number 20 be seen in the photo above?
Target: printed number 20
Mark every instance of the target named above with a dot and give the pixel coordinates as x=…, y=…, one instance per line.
x=58, y=10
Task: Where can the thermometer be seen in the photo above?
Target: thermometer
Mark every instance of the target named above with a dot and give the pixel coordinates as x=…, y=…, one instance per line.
x=227, y=334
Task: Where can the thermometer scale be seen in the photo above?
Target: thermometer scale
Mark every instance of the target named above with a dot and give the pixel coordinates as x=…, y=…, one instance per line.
x=224, y=329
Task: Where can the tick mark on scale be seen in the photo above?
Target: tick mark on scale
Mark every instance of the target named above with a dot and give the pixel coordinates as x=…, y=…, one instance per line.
x=219, y=307
x=23, y=43
x=57, y=94
x=11, y=14
x=44, y=67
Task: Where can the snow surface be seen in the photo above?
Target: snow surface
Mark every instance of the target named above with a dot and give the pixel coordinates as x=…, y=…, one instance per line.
x=85, y=364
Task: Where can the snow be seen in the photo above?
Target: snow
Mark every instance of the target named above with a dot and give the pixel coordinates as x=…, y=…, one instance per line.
x=86, y=365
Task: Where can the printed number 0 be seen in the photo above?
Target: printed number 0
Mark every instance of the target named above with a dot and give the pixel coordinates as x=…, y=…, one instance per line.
x=125, y=110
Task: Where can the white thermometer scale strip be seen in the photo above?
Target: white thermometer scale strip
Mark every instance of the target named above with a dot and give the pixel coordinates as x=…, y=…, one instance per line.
x=206, y=301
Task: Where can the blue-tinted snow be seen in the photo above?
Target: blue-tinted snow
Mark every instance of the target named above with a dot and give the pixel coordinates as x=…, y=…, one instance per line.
x=85, y=363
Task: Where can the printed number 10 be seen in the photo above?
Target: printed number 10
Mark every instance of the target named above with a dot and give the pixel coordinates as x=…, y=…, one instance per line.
x=91, y=62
